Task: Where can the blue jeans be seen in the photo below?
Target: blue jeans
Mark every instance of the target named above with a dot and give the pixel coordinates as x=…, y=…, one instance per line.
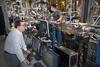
x=97, y=65
x=98, y=53
x=55, y=34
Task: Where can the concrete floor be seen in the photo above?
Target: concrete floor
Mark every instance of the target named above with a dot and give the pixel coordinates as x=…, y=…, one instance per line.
x=2, y=61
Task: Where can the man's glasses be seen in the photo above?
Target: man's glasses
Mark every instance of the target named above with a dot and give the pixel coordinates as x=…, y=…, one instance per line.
x=23, y=25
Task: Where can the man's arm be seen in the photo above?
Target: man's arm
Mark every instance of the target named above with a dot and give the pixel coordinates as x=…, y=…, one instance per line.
x=24, y=46
x=20, y=55
x=19, y=52
x=60, y=19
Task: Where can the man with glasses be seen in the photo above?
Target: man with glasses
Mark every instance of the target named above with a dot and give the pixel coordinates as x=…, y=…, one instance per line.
x=15, y=45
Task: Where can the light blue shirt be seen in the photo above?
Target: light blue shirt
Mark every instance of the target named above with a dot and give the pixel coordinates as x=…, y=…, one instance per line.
x=15, y=44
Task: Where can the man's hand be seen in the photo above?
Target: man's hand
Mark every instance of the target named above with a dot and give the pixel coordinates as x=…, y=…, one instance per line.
x=25, y=62
x=27, y=52
x=56, y=23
